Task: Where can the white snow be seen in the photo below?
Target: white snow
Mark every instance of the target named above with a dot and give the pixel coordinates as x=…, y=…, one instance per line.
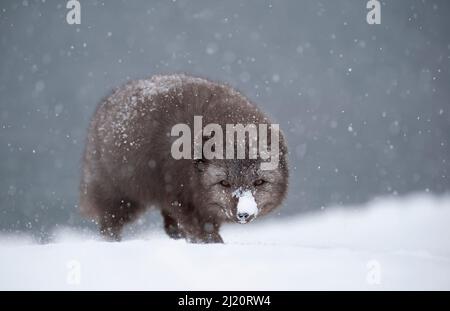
x=391, y=244
x=159, y=84
x=246, y=203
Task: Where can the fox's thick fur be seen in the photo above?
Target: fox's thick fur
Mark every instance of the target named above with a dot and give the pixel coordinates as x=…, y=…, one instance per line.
x=127, y=164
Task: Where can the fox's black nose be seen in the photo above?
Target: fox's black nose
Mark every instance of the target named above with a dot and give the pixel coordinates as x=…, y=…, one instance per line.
x=243, y=216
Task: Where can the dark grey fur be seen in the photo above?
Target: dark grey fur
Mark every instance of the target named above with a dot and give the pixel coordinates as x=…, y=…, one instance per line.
x=127, y=164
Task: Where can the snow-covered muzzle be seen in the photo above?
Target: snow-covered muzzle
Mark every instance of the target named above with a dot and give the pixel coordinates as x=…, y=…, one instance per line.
x=247, y=208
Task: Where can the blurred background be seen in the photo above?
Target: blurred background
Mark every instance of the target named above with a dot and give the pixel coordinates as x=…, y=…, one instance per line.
x=366, y=108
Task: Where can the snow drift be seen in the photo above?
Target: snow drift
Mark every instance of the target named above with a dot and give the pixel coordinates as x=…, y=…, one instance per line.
x=390, y=244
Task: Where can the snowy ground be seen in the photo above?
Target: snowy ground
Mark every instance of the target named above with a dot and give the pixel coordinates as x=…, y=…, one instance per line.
x=392, y=244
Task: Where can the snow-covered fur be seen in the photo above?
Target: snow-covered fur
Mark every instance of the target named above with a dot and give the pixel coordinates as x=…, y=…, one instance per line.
x=127, y=164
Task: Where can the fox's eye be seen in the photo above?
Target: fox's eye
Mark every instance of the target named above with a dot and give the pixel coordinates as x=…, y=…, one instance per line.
x=225, y=183
x=259, y=182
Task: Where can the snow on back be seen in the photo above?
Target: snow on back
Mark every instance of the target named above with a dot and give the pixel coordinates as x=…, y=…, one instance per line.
x=162, y=84
x=159, y=85
x=133, y=100
x=247, y=203
x=136, y=97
